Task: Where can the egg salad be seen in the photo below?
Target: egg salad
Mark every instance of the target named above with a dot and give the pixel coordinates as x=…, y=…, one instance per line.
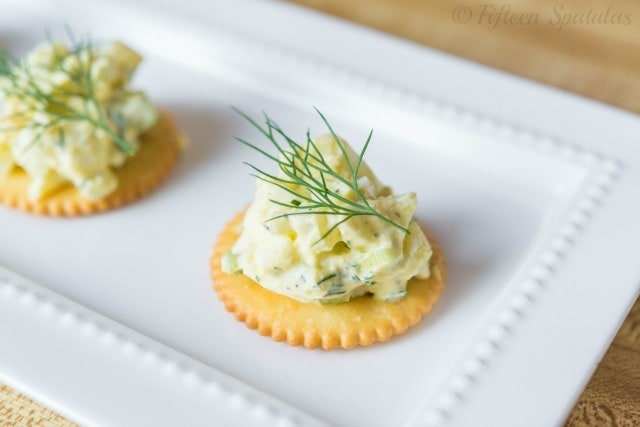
x=326, y=230
x=68, y=116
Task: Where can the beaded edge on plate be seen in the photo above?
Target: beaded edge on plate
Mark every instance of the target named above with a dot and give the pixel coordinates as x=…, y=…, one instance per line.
x=25, y=294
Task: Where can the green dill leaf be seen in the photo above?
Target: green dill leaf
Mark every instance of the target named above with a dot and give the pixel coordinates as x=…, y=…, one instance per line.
x=303, y=166
x=329, y=277
x=20, y=84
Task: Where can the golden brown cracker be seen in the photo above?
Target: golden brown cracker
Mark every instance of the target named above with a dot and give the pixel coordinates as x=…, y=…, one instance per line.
x=159, y=150
x=361, y=321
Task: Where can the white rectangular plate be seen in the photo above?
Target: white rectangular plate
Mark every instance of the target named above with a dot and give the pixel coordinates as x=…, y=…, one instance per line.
x=124, y=328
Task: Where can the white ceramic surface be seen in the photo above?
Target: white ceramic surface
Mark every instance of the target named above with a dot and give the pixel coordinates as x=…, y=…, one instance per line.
x=124, y=329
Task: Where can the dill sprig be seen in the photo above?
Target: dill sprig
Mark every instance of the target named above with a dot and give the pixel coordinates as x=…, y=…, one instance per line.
x=21, y=84
x=305, y=167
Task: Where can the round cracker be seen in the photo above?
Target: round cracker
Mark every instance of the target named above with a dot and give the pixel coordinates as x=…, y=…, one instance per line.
x=159, y=150
x=361, y=321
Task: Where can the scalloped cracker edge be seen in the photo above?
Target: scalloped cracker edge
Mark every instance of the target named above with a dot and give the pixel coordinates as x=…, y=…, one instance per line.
x=361, y=321
x=159, y=151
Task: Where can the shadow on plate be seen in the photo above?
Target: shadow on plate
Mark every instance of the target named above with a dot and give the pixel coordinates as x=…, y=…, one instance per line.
x=207, y=135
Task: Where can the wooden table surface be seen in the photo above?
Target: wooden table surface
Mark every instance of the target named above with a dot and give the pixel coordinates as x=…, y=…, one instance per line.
x=587, y=47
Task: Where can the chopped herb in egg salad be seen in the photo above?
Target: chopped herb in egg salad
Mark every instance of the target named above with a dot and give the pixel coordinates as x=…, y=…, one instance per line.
x=67, y=115
x=324, y=229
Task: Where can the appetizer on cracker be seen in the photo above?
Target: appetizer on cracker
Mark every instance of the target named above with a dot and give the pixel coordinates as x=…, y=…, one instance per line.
x=74, y=137
x=326, y=255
